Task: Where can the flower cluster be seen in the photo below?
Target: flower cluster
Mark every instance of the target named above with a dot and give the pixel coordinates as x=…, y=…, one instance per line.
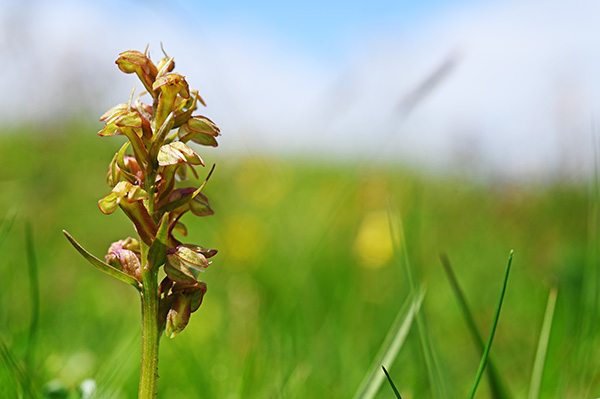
x=145, y=174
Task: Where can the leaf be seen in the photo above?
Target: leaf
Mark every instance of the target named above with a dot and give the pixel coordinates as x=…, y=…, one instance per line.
x=390, y=347
x=497, y=387
x=540, y=356
x=7, y=224
x=488, y=346
x=157, y=254
x=391, y=383
x=105, y=267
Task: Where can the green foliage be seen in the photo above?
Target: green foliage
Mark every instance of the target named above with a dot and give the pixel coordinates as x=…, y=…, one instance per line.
x=306, y=271
x=391, y=382
x=488, y=345
x=497, y=386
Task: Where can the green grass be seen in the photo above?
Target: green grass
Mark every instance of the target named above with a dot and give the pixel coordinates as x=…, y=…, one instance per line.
x=307, y=282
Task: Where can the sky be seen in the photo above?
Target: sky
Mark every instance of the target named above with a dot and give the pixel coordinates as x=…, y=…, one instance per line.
x=505, y=88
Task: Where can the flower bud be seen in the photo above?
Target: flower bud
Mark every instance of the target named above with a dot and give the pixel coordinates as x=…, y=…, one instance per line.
x=187, y=299
x=169, y=87
x=124, y=255
x=200, y=130
x=134, y=61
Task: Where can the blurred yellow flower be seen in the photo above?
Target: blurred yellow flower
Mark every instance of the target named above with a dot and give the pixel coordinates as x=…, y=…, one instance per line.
x=243, y=240
x=374, y=247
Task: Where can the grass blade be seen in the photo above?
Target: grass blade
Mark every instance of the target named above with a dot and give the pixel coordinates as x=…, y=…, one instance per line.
x=540, y=356
x=435, y=373
x=34, y=289
x=18, y=373
x=7, y=224
x=390, y=347
x=497, y=387
x=391, y=383
x=488, y=346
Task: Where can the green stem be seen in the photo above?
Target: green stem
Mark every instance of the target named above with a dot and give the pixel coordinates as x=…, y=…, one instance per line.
x=150, y=335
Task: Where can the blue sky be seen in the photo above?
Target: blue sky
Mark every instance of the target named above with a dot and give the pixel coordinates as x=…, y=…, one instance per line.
x=520, y=86
x=323, y=29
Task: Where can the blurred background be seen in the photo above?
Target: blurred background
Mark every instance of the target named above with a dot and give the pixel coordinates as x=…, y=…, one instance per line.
x=507, y=88
x=471, y=124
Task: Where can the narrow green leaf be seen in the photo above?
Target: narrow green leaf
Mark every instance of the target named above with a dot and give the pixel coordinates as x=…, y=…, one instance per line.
x=390, y=347
x=105, y=267
x=497, y=386
x=34, y=288
x=488, y=346
x=436, y=374
x=157, y=254
x=391, y=383
x=7, y=224
x=9, y=358
x=540, y=356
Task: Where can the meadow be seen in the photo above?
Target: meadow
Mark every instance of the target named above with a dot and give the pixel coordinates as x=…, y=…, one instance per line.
x=307, y=282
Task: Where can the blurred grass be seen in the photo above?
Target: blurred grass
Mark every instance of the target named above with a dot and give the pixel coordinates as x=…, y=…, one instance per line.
x=306, y=283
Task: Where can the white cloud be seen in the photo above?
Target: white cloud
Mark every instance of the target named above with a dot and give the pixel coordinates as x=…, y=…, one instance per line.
x=519, y=97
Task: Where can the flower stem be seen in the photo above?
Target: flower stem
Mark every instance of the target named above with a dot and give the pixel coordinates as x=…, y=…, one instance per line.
x=150, y=335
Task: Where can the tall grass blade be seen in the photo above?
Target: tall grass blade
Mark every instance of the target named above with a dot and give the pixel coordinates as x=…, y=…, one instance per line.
x=435, y=373
x=7, y=224
x=391, y=383
x=584, y=359
x=117, y=367
x=390, y=347
x=18, y=373
x=488, y=346
x=34, y=291
x=497, y=387
x=540, y=356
